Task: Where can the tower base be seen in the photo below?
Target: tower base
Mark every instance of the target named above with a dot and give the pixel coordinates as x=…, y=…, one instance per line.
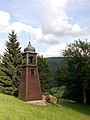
x=29, y=88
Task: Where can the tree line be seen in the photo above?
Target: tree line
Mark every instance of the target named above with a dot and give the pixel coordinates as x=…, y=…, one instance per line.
x=71, y=80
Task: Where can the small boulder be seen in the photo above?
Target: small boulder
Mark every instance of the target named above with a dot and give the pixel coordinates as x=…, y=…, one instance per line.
x=51, y=99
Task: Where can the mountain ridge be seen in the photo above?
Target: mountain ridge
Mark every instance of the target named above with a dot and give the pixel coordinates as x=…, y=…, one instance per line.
x=54, y=62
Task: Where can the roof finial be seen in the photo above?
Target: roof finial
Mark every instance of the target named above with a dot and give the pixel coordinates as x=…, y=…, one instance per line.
x=29, y=41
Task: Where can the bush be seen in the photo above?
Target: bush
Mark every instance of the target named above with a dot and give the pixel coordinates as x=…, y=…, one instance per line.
x=59, y=91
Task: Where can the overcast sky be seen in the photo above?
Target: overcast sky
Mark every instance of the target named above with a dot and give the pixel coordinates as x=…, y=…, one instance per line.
x=48, y=24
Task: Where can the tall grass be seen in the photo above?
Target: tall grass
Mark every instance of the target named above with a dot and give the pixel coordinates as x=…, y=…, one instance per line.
x=14, y=109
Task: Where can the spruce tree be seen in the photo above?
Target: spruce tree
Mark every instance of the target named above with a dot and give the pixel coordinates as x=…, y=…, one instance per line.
x=10, y=66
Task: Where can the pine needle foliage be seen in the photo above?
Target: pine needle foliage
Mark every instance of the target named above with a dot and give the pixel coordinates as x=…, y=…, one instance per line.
x=10, y=66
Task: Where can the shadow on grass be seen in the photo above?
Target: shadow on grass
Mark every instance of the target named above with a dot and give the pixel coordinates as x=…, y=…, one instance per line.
x=85, y=109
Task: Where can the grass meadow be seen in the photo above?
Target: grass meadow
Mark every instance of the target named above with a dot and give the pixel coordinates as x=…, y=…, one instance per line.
x=13, y=109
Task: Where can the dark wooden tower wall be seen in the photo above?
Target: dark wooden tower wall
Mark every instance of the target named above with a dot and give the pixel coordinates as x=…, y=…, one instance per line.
x=29, y=88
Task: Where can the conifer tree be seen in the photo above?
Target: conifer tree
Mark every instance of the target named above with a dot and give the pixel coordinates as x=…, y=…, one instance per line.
x=10, y=66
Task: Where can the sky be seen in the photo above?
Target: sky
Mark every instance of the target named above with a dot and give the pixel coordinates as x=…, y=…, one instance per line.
x=48, y=24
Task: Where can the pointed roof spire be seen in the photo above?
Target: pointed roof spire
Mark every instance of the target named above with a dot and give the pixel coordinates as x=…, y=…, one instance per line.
x=29, y=48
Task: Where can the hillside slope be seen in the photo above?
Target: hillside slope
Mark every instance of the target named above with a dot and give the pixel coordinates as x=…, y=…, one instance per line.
x=54, y=62
x=14, y=109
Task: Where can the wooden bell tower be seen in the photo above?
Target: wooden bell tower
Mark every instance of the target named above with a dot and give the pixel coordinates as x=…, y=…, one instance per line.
x=29, y=88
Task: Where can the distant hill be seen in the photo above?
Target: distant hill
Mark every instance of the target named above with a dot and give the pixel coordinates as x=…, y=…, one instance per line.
x=54, y=62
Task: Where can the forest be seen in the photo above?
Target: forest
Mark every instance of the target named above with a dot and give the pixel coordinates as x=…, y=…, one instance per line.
x=66, y=77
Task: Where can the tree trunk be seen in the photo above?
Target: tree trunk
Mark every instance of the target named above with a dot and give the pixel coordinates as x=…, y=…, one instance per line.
x=84, y=95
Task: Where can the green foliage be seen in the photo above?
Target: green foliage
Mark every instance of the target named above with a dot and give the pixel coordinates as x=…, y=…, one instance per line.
x=74, y=71
x=54, y=62
x=44, y=74
x=14, y=109
x=62, y=73
x=59, y=91
x=10, y=66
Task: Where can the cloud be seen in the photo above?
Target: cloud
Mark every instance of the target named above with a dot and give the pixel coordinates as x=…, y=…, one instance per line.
x=55, y=22
x=2, y=47
x=54, y=50
x=78, y=0
x=76, y=31
x=4, y=20
x=19, y=27
x=35, y=33
x=50, y=39
x=50, y=35
x=63, y=28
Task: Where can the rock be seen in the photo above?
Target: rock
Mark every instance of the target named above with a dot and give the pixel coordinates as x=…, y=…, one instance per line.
x=51, y=99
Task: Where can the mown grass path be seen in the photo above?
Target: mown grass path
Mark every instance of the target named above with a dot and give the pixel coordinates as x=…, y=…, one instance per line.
x=14, y=109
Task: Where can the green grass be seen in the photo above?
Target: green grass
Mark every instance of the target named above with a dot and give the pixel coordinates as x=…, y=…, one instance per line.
x=14, y=109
